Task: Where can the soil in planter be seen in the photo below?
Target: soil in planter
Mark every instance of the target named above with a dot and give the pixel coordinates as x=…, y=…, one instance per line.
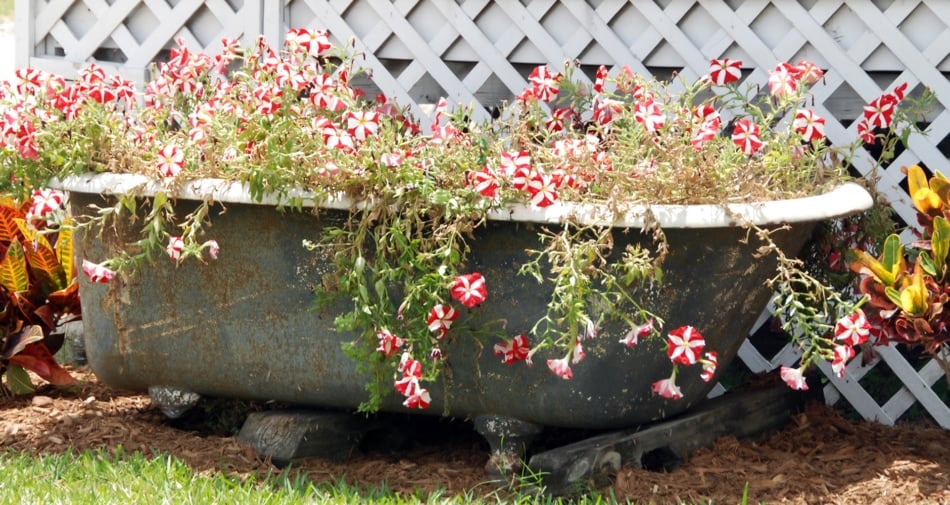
x=820, y=457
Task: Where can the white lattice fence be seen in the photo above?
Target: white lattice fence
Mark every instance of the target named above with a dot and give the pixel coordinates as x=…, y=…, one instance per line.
x=480, y=52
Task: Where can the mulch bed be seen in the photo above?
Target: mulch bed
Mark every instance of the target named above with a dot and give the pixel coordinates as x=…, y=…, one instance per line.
x=820, y=457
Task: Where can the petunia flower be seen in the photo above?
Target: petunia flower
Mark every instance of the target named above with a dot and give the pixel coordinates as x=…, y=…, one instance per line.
x=213, y=248
x=649, y=115
x=561, y=368
x=667, y=388
x=516, y=349
x=880, y=111
x=170, y=161
x=97, y=272
x=389, y=343
x=710, y=363
x=784, y=79
x=485, y=182
x=544, y=83
x=543, y=190
x=174, y=247
x=853, y=329
x=746, y=136
x=469, y=289
x=634, y=335
x=866, y=133
x=45, y=202
x=809, y=73
x=440, y=319
x=578, y=354
x=685, y=345
x=794, y=378
x=725, y=71
x=842, y=353
x=809, y=125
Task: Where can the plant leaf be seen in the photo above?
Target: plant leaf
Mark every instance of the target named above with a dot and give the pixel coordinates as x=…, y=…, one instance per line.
x=65, y=248
x=940, y=244
x=37, y=359
x=19, y=381
x=42, y=259
x=17, y=342
x=9, y=231
x=888, y=268
x=13, y=274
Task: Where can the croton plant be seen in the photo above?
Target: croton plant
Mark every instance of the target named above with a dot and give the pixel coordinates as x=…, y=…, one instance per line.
x=290, y=119
x=908, y=285
x=38, y=289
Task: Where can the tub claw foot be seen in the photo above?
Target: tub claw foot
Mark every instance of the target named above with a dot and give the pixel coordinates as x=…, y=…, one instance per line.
x=173, y=401
x=508, y=439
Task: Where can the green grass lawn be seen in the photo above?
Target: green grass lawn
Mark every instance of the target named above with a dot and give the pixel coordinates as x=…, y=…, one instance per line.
x=100, y=479
x=6, y=8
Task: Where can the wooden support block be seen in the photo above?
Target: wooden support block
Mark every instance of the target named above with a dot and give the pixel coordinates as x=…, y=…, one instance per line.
x=286, y=435
x=596, y=460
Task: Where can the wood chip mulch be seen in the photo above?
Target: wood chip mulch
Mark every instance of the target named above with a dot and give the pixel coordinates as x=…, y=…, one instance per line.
x=819, y=458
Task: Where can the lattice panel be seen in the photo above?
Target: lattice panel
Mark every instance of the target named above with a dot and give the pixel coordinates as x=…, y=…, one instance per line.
x=125, y=36
x=481, y=51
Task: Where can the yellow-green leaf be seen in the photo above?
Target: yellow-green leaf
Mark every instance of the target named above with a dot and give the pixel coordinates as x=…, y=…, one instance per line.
x=940, y=244
x=13, y=274
x=65, y=248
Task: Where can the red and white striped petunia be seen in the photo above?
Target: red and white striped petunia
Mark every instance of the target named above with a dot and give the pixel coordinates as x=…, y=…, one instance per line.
x=667, y=388
x=543, y=190
x=706, y=113
x=314, y=43
x=419, y=399
x=388, y=342
x=339, y=139
x=578, y=354
x=362, y=124
x=561, y=368
x=485, y=182
x=633, y=336
x=842, y=353
x=514, y=161
x=710, y=363
x=880, y=112
x=725, y=71
x=746, y=136
x=469, y=289
x=171, y=161
x=440, y=319
x=784, y=79
x=685, y=345
x=794, y=378
x=866, y=133
x=600, y=79
x=544, y=83
x=809, y=73
x=175, y=247
x=45, y=202
x=809, y=125
x=649, y=115
x=853, y=329
x=213, y=248
x=516, y=349
x=705, y=134
x=97, y=272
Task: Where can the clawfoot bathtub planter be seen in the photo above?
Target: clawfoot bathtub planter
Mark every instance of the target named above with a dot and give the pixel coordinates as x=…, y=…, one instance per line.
x=245, y=327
